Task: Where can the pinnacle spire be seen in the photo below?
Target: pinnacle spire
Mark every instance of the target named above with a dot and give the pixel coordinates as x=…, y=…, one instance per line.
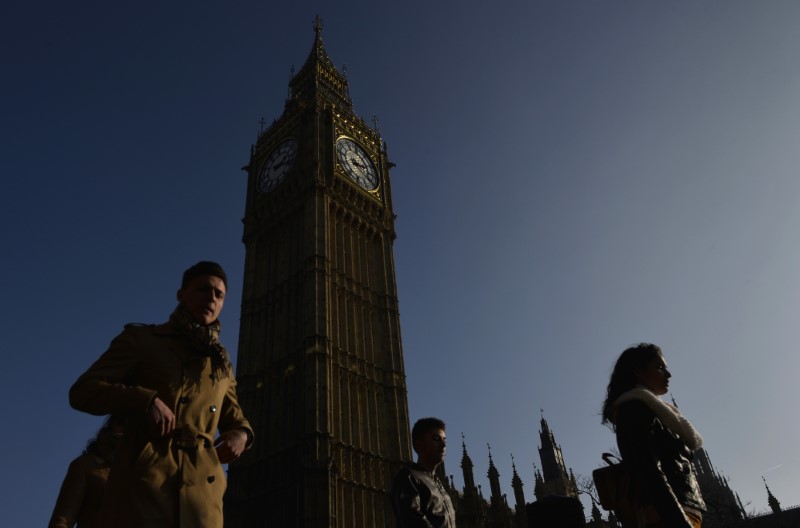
x=466, y=467
x=773, y=502
x=543, y=422
x=318, y=78
x=516, y=485
x=494, y=480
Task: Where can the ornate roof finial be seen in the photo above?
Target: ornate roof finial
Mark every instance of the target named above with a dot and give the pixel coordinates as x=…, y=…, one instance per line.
x=261, y=123
x=464, y=455
x=514, y=468
x=318, y=26
x=318, y=76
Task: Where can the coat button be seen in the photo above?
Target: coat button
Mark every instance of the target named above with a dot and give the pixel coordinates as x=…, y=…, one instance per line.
x=213, y=408
x=210, y=479
x=185, y=399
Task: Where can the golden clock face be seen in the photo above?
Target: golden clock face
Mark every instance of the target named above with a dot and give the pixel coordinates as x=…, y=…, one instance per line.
x=357, y=163
x=278, y=164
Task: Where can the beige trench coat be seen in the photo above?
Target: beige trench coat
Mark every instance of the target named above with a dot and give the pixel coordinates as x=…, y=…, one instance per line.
x=161, y=481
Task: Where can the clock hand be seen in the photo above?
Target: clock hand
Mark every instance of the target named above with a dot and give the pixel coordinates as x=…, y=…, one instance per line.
x=284, y=160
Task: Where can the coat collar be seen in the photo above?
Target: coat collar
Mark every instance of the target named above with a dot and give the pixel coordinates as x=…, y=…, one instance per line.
x=669, y=415
x=165, y=329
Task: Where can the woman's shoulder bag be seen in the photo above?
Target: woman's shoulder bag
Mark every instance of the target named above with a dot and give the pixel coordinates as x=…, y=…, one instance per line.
x=613, y=485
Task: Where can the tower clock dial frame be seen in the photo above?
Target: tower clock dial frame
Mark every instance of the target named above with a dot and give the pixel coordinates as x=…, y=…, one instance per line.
x=357, y=163
x=279, y=162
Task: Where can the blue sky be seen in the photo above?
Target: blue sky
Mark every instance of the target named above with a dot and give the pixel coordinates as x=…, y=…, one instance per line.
x=572, y=177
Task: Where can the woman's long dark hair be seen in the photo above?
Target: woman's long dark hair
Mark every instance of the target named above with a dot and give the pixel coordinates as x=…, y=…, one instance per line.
x=623, y=377
x=110, y=421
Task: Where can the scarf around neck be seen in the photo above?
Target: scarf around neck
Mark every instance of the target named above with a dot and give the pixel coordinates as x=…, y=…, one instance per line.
x=669, y=415
x=204, y=339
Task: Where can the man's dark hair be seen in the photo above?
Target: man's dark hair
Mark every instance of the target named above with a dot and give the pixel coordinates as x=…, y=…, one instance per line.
x=204, y=267
x=422, y=426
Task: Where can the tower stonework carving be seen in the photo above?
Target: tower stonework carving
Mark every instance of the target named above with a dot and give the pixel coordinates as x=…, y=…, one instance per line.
x=320, y=361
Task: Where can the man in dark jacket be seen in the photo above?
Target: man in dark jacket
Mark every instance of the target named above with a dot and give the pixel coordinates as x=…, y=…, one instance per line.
x=419, y=499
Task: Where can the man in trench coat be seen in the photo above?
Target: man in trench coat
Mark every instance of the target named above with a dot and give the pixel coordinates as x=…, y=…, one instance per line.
x=176, y=386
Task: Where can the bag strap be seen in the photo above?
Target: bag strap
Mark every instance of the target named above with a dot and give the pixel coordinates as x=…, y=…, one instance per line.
x=607, y=459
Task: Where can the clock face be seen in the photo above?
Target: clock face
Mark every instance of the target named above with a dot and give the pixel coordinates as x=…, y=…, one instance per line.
x=357, y=163
x=278, y=164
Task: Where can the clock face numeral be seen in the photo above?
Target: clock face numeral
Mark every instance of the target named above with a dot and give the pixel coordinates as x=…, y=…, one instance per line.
x=278, y=164
x=357, y=164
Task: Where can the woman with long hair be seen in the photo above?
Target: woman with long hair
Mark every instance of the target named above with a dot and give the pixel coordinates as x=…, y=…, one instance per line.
x=656, y=442
x=82, y=491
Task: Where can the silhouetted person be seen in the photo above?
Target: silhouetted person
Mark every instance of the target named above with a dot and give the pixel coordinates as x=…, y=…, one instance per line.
x=175, y=384
x=84, y=486
x=419, y=499
x=656, y=442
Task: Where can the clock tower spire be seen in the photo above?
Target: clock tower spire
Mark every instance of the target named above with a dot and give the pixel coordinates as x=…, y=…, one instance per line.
x=320, y=361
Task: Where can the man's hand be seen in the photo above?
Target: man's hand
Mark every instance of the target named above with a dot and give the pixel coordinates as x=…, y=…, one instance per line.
x=230, y=445
x=161, y=417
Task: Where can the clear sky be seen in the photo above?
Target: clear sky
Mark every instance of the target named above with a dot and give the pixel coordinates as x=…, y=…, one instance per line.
x=572, y=177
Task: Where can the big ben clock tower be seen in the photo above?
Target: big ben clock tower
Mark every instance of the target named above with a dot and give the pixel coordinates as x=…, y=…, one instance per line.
x=320, y=362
